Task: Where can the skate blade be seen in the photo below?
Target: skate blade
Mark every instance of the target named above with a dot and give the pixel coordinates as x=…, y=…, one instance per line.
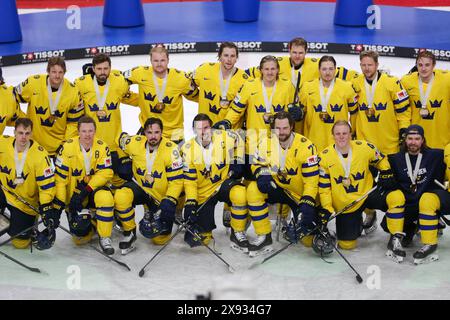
x=430, y=258
x=395, y=258
x=253, y=254
x=238, y=248
x=118, y=228
x=127, y=250
x=370, y=230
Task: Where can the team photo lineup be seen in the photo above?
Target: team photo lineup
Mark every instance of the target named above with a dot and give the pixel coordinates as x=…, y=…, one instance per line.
x=300, y=139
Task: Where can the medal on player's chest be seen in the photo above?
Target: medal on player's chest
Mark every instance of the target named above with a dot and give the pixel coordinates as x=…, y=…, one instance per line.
x=150, y=160
x=101, y=114
x=160, y=92
x=149, y=178
x=18, y=181
x=346, y=182
x=86, y=179
x=19, y=164
x=160, y=106
x=224, y=85
x=224, y=103
x=346, y=165
x=413, y=174
x=370, y=112
x=424, y=112
x=53, y=103
x=324, y=100
x=324, y=116
x=282, y=174
x=268, y=117
x=52, y=118
x=413, y=187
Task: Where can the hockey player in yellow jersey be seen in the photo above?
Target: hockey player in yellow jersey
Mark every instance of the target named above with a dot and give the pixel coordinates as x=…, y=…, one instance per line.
x=83, y=170
x=383, y=106
x=431, y=206
x=300, y=69
x=219, y=83
x=211, y=174
x=26, y=174
x=157, y=183
x=429, y=98
x=9, y=107
x=102, y=92
x=326, y=100
x=286, y=171
x=54, y=105
x=161, y=91
x=345, y=176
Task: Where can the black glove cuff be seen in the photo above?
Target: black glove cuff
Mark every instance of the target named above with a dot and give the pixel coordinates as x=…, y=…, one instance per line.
x=308, y=200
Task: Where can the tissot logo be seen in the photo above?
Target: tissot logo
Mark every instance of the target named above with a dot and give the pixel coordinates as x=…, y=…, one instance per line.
x=366, y=47
x=318, y=45
x=43, y=55
x=179, y=45
x=437, y=53
x=248, y=45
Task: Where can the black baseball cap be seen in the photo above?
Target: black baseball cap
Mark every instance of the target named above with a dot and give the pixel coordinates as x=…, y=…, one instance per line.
x=415, y=129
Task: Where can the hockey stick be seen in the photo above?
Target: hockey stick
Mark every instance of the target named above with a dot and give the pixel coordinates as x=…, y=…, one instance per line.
x=447, y=221
x=142, y=271
x=349, y=206
x=197, y=236
x=29, y=205
x=37, y=270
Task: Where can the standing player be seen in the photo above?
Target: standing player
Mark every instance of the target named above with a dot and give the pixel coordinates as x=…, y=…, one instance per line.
x=54, y=105
x=345, y=176
x=83, y=170
x=102, y=92
x=429, y=96
x=209, y=177
x=415, y=168
x=326, y=100
x=219, y=83
x=9, y=107
x=157, y=183
x=161, y=91
x=286, y=171
x=25, y=171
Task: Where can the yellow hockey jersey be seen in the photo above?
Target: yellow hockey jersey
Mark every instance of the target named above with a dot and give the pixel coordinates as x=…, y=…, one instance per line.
x=9, y=108
x=318, y=125
x=250, y=102
x=201, y=178
x=109, y=124
x=390, y=109
x=300, y=174
x=171, y=113
x=334, y=195
x=71, y=168
x=447, y=162
x=437, y=123
x=166, y=172
x=39, y=179
x=206, y=77
x=51, y=131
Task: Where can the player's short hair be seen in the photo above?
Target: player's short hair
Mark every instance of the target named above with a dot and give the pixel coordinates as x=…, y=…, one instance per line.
x=281, y=116
x=86, y=119
x=159, y=48
x=426, y=54
x=269, y=58
x=341, y=123
x=100, y=58
x=201, y=117
x=228, y=44
x=327, y=58
x=151, y=121
x=56, y=61
x=298, y=42
x=25, y=122
x=369, y=54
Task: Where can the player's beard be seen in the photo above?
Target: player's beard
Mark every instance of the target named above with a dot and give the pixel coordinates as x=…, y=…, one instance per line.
x=413, y=148
x=101, y=79
x=154, y=142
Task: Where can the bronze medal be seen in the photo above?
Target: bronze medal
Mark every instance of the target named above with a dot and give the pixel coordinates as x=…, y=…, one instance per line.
x=424, y=112
x=52, y=118
x=160, y=106
x=370, y=112
x=267, y=117
x=18, y=181
x=224, y=103
x=346, y=182
x=324, y=116
x=149, y=178
x=282, y=174
x=413, y=187
x=86, y=179
x=101, y=114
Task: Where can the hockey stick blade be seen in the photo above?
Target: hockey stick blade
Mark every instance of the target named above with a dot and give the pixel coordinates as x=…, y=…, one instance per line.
x=32, y=269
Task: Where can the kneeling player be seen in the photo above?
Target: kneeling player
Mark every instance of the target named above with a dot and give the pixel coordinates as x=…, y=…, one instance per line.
x=211, y=167
x=157, y=183
x=83, y=169
x=345, y=177
x=430, y=204
x=26, y=174
x=286, y=172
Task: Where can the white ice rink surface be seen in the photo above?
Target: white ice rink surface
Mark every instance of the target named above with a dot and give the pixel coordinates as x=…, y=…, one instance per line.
x=180, y=272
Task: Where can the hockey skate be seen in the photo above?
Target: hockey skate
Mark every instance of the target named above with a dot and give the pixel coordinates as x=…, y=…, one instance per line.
x=239, y=241
x=395, y=249
x=126, y=245
x=370, y=223
x=106, y=245
x=426, y=254
x=441, y=227
x=262, y=245
x=226, y=219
